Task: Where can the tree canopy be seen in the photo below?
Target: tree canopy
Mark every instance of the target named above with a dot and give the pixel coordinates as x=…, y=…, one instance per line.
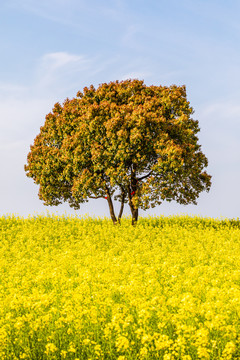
x=126, y=141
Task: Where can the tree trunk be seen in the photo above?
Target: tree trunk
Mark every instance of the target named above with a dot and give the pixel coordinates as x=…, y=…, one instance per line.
x=121, y=208
x=134, y=212
x=132, y=188
x=112, y=214
x=134, y=216
x=111, y=208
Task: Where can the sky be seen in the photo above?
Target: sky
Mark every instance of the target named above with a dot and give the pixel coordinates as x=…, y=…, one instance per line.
x=51, y=49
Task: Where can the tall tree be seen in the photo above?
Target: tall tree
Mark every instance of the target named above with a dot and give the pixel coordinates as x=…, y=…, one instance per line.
x=124, y=141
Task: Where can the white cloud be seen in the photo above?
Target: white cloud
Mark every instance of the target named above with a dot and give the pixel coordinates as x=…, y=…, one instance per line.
x=59, y=72
x=73, y=13
x=56, y=60
x=23, y=108
x=53, y=10
x=223, y=109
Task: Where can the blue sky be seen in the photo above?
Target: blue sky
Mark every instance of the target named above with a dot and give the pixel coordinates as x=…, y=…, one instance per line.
x=50, y=49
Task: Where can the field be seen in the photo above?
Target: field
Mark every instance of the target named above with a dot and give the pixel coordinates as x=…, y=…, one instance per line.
x=73, y=288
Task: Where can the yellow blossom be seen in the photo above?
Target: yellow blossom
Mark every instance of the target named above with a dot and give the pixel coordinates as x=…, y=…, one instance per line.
x=50, y=348
x=189, y=309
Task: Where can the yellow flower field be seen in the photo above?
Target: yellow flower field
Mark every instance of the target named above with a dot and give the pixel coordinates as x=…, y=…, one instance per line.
x=168, y=288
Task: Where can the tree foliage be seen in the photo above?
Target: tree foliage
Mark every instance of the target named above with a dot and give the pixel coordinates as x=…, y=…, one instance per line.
x=124, y=141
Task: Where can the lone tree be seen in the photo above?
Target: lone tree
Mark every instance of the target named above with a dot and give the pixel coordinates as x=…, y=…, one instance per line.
x=124, y=140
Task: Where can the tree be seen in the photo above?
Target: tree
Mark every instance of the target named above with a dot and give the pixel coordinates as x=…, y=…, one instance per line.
x=124, y=140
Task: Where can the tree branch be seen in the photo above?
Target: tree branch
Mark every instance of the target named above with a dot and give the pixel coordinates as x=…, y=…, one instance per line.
x=145, y=176
x=96, y=197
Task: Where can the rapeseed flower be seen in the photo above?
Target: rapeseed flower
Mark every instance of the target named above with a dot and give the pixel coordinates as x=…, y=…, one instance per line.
x=73, y=288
